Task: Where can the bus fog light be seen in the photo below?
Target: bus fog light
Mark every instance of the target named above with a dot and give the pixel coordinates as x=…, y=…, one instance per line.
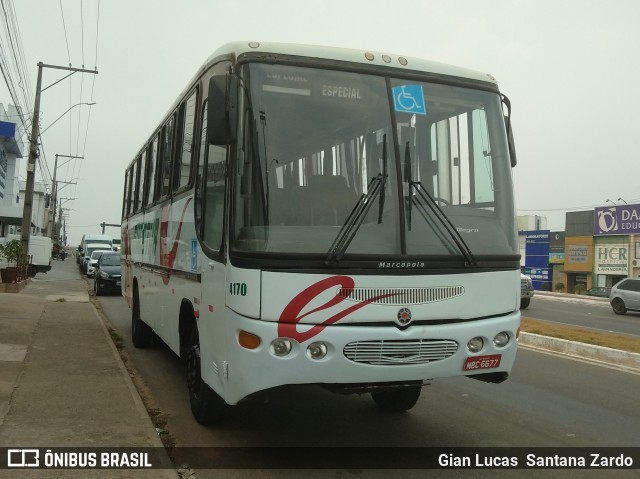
x=280, y=347
x=501, y=339
x=475, y=344
x=316, y=351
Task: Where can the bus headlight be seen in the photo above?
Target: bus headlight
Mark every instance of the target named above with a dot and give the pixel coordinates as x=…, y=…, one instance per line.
x=316, y=351
x=475, y=344
x=280, y=347
x=501, y=339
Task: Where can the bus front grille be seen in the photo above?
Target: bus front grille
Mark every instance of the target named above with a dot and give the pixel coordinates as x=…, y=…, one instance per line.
x=400, y=296
x=400, y=352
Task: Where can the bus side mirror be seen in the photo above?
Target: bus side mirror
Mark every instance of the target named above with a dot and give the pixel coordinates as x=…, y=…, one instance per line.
x=222, y=112
x=512, y=145
x=509, y=127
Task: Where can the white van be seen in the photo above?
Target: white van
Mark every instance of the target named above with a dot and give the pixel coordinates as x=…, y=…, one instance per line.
x=92, y=239
x=39, y=249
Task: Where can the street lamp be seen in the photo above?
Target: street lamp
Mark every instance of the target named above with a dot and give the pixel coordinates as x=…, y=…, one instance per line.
x=609, y=201
x=70, y=108
x=620, y=199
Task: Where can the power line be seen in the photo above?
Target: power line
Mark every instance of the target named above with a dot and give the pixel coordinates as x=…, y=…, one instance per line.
x=572, y=208
x=64, y=27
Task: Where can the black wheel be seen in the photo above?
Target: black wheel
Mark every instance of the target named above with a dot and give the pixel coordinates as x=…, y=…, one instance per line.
x=618, y=306
x=33, y=271
x=96, y=287
x=524, y=303
x=397, y=400
x=206, y=406
x=141, y=333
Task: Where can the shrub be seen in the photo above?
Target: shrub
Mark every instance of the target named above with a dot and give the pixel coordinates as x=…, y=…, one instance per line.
x=11, y=251
x=579, y=289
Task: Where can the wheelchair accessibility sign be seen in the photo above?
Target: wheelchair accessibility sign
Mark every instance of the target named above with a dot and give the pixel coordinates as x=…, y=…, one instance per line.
x=409, y=99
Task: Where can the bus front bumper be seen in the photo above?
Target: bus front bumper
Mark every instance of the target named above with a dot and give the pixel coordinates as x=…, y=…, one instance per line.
x=359, y=355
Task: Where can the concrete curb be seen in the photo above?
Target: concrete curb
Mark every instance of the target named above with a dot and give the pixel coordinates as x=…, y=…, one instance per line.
x=598, y=354
x=135, y=395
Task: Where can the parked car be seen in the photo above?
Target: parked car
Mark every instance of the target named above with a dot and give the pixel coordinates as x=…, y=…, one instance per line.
x=599, y=291
x=93, y=260
x=526, y=291
x=625, y=296
x=86, y=254
x=107, y=274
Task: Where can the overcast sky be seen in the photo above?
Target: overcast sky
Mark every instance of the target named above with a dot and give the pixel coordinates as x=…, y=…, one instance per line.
x=570, y=68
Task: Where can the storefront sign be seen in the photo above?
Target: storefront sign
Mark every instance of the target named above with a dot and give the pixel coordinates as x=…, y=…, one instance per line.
x=616, y=220
x=612, y=259
x=578, y=254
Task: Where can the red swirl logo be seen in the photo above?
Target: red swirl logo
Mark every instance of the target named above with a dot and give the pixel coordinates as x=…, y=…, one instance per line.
x=291, y=315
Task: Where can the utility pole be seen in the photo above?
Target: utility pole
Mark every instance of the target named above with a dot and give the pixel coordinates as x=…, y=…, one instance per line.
x=54, y=205
x=54, y=191
x=33, y=151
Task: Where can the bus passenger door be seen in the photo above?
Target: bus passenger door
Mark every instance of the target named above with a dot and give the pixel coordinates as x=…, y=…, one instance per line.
x=209, y=210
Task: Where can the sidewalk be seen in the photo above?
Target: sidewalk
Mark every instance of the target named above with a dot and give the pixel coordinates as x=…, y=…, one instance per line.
x=62, y=383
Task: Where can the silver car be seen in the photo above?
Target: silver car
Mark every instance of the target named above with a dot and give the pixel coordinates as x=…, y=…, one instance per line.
x=625, y=296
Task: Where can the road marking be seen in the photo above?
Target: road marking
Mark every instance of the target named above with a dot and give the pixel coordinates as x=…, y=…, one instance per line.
x=13, y=352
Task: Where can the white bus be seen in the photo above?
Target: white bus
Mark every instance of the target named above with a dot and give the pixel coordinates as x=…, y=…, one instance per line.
x=326, y=216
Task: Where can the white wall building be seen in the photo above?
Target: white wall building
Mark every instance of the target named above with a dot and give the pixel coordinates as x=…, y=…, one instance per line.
x=11, y=148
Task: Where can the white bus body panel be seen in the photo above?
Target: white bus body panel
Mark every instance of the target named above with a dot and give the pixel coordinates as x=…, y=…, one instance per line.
x=235, y=372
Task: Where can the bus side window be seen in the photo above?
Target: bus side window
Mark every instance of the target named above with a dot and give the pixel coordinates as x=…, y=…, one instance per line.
x=210, y=190
x=182, y=165
x=135, y=187
x=142, y=159
x=164, y=163
x=151, y=170
x=127, y=193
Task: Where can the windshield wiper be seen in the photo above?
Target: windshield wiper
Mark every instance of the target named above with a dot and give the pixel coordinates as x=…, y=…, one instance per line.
x=432, y=204
x=359, y=212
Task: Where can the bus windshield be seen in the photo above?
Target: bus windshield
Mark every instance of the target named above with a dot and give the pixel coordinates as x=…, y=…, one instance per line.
x=351, y=165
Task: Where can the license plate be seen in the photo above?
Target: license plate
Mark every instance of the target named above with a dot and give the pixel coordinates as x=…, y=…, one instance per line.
x=117, y=283
x=489, y=361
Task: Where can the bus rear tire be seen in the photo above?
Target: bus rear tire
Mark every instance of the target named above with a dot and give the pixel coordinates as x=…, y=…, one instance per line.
x=397, y=400
x=206, y=406
x=141, y=332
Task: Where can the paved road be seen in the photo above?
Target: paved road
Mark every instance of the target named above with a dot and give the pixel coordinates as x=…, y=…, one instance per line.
x=586, y=313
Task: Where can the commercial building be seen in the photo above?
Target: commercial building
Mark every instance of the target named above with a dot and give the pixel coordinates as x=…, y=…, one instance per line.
x=598, y=248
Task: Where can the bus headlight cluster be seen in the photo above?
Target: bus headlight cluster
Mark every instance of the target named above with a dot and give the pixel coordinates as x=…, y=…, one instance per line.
x=316, y=351
x=280, y=347
x=501, y=339
x=475, y=345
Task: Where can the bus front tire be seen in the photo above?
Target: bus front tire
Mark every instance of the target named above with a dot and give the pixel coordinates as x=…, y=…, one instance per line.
x=206, y=406
x=524, y=303
x=397, y=400
x=141, y=333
